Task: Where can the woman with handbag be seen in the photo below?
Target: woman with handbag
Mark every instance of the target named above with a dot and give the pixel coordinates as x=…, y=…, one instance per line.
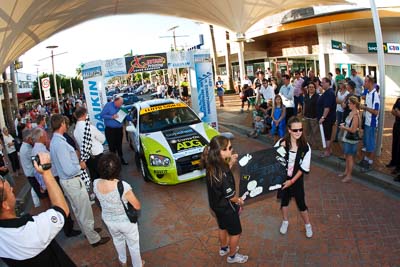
x=218, y=160
x=113, y=212
x=350, y=137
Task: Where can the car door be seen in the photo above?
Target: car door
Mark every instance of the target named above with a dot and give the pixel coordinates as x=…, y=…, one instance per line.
x=135, y=133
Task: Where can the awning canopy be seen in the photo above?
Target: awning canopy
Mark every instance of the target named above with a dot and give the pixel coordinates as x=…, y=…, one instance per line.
x=24, y=24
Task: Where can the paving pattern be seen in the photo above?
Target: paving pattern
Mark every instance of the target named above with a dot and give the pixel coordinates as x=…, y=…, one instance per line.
x=354, y=224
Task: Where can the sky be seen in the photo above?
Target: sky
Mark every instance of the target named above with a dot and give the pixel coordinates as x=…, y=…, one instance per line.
x=111, y=37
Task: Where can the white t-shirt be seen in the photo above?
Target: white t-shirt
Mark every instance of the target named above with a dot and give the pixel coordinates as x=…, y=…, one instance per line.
x=268, y=93
x=30, y=239
x=341, y=97
x=9, y=139
x=372, y=101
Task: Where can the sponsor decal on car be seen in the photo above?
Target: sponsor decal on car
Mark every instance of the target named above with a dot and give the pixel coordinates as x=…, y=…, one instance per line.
x=161, y=107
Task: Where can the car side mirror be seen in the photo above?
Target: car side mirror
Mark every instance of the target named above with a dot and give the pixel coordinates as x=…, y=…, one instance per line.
x=201, y=115
x=130, y=128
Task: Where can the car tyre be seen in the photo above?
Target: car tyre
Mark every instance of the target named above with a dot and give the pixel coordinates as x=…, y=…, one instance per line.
x=143, y=170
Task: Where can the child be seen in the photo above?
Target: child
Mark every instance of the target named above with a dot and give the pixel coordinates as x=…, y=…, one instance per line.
x=278, y=118
x=297, y=159
x=258, y=127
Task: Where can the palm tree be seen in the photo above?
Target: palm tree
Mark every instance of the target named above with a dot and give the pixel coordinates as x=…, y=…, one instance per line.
x=228, y=62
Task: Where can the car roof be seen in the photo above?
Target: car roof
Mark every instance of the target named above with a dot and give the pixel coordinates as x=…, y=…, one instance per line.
x=156, y=102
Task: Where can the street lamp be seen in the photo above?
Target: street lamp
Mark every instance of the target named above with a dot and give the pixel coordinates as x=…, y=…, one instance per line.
x=39, y=84
x=54, y=74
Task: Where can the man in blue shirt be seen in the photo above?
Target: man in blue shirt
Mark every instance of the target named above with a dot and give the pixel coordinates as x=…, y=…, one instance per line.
x=114, y=129
x=326, y=112
x=68, y=167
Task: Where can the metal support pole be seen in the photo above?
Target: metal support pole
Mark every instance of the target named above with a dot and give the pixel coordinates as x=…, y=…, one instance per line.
x=382, y=75
x=55, y=81
x=241, y=60
x=72, y=89
x=39, y=87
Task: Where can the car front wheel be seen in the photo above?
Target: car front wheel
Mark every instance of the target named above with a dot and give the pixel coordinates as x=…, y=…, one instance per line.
x=144, y=170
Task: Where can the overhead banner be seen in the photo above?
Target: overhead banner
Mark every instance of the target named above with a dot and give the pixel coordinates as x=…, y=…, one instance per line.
x=114, y=67
x=178, y=59
x=93, y=84
x=146, y=63
x=204, y=98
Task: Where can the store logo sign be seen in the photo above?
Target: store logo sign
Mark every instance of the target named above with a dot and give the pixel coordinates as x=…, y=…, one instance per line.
x=393, y=48
x=373, y=48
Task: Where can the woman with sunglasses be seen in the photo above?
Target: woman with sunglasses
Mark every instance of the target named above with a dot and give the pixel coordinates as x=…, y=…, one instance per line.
x=218, y=160
x=297, y=157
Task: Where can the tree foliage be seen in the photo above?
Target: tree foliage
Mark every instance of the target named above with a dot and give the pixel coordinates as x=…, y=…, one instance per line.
x=62, y=82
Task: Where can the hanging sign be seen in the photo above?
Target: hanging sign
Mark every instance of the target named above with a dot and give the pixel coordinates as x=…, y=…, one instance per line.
x=146, y=63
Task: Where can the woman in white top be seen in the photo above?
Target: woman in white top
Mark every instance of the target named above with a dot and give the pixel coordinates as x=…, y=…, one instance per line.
x=340, y=97
x=113, y=213
x=11, y=150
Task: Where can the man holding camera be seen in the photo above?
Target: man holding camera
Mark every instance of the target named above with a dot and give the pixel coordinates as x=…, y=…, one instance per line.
x=29, y=240
x=69, y=168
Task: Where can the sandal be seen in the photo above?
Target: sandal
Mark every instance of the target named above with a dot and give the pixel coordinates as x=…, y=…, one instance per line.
x=346, y=180
x=341, y=175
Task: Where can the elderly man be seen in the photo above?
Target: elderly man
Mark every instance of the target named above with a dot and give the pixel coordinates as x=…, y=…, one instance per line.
x=97, y=140
x=69, y=168
x=114, y=126
x=29, y=240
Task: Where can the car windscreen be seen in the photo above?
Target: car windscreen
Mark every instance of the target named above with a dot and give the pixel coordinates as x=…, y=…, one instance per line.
x=129, y=100
x=164, y=119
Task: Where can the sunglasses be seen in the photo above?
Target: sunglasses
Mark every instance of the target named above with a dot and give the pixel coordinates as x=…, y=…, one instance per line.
x=297, y=130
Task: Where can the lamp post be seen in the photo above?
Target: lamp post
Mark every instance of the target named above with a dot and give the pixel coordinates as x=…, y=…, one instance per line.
x=39, y=84
x=54, y=74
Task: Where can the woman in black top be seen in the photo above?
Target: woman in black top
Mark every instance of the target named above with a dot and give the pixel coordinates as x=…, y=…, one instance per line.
x=296, y=153
x=218, y=160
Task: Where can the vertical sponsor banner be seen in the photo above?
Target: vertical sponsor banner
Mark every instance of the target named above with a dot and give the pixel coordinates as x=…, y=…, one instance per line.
x=203, y=98
x=93, y=84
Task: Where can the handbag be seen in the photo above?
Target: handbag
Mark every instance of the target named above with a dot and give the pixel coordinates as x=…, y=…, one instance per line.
x=352, y=136
x=130, y=211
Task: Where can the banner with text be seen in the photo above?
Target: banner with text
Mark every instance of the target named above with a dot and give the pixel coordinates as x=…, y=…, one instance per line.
x=146, y=63
x=203, y=97
x=178, y=59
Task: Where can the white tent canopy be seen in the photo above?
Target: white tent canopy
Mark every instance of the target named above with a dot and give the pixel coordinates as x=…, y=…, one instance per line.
x=26, y=23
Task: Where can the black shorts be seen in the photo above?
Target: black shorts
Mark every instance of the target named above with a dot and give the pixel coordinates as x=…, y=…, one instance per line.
x=296, y=191
x=229, y=222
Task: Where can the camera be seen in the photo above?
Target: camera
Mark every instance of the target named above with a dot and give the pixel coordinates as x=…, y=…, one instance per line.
x=46, y=166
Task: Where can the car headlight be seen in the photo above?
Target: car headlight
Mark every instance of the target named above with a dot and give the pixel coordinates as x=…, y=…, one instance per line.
x=158, y=160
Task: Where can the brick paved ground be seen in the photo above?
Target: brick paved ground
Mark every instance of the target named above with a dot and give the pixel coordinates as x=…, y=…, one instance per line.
x=354, y=224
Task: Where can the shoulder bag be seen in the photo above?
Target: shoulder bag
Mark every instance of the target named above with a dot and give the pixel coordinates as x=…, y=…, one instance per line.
x=353, y=136
x=130, y=211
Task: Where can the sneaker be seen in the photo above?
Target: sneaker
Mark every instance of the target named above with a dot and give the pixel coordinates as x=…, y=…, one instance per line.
x=225, y=252
x=284, y=227
x=309, y=232
x=239, y=258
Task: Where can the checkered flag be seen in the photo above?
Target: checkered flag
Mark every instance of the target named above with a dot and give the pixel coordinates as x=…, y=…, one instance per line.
x=85, y=151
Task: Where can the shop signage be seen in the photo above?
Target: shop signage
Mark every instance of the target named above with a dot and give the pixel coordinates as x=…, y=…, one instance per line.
x=393, y=48
x=339, y=46
x=373, y=48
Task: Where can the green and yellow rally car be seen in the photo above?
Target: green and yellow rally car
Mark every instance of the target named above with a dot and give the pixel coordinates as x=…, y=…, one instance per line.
x=168, y=139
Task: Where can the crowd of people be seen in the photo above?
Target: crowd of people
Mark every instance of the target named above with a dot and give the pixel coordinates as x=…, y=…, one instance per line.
x=327, y=106
x=59, y=165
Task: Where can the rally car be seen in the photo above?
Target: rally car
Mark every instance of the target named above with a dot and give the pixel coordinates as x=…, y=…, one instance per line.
x=168, y=138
